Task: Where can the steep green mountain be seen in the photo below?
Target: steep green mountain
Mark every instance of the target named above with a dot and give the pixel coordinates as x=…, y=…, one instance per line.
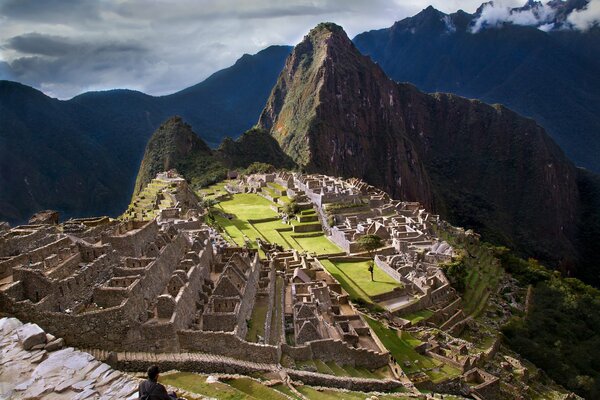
x=334, y=111
x=551, y=76
x=81, y=156
x=175, y=145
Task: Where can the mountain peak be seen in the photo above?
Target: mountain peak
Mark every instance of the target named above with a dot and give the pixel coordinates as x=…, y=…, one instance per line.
x=332, y=107
x=327, y=27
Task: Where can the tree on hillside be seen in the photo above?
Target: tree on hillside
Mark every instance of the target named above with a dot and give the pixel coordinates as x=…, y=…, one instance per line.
x=370, y=243
x=292, y=208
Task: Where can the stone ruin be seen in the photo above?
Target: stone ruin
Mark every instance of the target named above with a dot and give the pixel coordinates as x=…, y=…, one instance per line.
x=171, y=284
x=167, y=196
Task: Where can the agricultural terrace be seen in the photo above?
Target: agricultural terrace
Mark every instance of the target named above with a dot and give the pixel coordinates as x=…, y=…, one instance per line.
x=252, y=389
x=355, y=278
x=401, y=345
x=244, y=217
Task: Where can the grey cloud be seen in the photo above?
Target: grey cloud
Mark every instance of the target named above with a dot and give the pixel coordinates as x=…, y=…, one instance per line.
x=35, y=43
x=62, y=62
x=49, y=10
x=65, y=47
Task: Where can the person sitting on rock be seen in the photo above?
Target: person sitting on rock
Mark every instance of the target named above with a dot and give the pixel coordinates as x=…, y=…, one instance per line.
x=150, y=389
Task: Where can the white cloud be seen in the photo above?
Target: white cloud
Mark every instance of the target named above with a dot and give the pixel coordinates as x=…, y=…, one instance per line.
x=586, y=18
x=499, y=12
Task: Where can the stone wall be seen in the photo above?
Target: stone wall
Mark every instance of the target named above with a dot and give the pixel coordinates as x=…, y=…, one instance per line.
x=133, y=242
x=271, y=303
x=385, y=267
x=247, y=302
x=329, y=350
x=361, y=384
x=228, y=344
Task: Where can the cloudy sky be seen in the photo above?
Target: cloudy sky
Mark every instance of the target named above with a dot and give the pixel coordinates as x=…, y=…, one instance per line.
x=66, y=47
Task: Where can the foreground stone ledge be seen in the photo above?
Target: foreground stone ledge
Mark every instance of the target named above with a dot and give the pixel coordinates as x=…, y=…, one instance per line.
x=52, y=371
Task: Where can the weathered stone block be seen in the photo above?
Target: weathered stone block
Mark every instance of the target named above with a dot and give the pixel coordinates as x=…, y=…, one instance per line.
x=31, y=335
x=54, y=345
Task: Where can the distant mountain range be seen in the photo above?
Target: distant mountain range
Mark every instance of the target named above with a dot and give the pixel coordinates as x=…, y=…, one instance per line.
x=479, y=166
x=553, y=77
x=81, y=156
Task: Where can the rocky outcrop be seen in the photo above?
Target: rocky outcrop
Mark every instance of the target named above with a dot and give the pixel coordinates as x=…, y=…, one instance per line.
x=52, y=371
x=335, y=111
x=47, y=217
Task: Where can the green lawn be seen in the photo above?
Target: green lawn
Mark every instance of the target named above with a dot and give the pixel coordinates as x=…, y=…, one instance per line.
x=418, y=316
x=316, y=244
x=357, y=273
x=401, y=346
x=255, y=389
x=257, y=320
x=248, y=206
x=196, y=383
x=328, y=394
x=349, y=286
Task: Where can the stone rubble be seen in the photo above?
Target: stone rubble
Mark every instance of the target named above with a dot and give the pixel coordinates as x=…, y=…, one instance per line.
x=54, y=372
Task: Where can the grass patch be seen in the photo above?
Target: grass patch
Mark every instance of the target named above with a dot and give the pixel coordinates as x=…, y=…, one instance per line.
x=255, y=389
x=328, y=394
x=354, y=291
x=317, y=244
x=401, y=346
x=358, y=273
x=196, y=383
x=418, y=316
x=257, y=320
x=247, y=206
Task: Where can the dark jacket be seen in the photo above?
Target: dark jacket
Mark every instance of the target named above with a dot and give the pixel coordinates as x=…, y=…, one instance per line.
x=154, y=389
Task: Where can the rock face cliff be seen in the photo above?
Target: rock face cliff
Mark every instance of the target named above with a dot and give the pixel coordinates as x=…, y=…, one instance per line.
x=175, y=145
x=335, y=111
x=332, y=110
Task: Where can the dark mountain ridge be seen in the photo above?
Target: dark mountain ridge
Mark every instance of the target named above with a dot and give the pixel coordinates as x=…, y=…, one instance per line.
x=174, y=145
x=334, y=111
x=80, y=156
x=551, y=76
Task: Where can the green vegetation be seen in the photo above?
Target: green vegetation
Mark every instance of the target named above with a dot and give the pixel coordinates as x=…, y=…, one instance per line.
x=370, y=243
x=255, y=389
x=291, y=208
x=334, y=208
x=483, y=273
x=257, y=320
x=246, y=208
x=259, y=168
x=418, y=316
x=401, y=346
x=175, y=145
x=329, y=394
x=561, y=332
x=456, y=271
x=196, y=383
x=318, y=244
x=355, y=278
